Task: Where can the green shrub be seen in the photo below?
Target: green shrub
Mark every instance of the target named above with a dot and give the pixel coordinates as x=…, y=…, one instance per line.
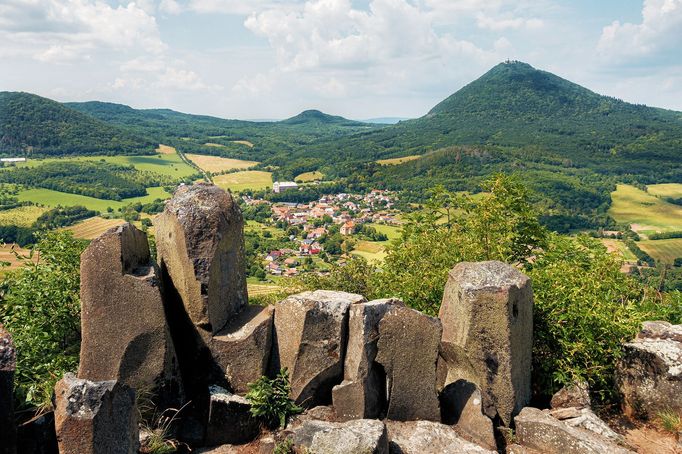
x=40, y=306
x=270, y=402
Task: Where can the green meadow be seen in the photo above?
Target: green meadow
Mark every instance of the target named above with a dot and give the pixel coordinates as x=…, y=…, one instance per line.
x=50, y=198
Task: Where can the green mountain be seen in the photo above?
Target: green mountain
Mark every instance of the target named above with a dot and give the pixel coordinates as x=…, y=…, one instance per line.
x=315, y=117
x=30, y=124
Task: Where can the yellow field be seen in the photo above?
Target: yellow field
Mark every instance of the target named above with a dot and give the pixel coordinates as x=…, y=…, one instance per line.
x=665, y=190
x=21, y=216
x=165, y=149
x=249, y=179
x=216, y=164
x=391, y=231
x=262, y=289
x=243, y=142
x=93, y=227
x=396, y=161
x=644, y=212
x=309, y=176
x=372, y=251
x=6, y=255
x=665, y=251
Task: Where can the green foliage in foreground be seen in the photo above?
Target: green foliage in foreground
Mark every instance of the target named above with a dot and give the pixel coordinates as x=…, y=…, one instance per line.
x=585, y=308
x=40, y=306
x=270, y=400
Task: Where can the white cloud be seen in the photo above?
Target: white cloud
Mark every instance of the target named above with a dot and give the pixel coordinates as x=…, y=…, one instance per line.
x=659, y=31
x=505, y=23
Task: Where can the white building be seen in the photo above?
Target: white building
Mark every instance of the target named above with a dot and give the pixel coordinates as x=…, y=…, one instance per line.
x=281, y=186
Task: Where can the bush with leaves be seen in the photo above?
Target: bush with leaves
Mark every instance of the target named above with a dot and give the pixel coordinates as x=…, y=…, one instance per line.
x=270, y=401
x=40, y=306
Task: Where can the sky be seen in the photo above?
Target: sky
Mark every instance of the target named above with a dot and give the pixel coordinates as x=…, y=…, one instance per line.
x=271, y=59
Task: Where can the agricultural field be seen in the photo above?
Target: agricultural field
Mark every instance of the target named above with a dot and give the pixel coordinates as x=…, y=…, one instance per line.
x=9, y=259
x=169, y=164
x=619, y=247
x=165, y=149
x=93, y=227
x=262, y=289
x=665, y=190
x=215, y=164
x=21, y=216
x=665, y=251
x=249, y=179
x=396, y=161
x=372, y=251
x=307, y=177
x=50, y=198
x=391, y=231
x=644, y=212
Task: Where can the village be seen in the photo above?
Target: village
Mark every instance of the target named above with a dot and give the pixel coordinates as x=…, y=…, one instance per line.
x=327, y=228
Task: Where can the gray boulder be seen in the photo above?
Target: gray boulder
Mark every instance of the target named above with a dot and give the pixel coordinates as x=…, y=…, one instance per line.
x=408, y=351
x=584, y=418
x=427, y=437
x=8, y=363
x=575, y=395
x=461, y=407
x=229, y=419
x=95, y=417
x=360, y=436
x=200, y=243
x=487, y=315
x=538, y=430
x=362, y=394
x=125, y=336
x=242, y=349
x=310, y=341
x=649, y=375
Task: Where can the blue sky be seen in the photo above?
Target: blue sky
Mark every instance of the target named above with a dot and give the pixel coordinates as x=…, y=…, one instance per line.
x=356, y=58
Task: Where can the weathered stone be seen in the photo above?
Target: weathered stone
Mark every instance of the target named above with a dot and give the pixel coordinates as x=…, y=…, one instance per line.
x=242, y=348
x=487, y=315
x=360, y=436
x=95, y=417
x=576, y=395
x=37, y=436
x=538, y=430
x=125, y=336
x=461, y=406
x=310, y=341
x=362, y=394
x=200, y=243
x=649, y=375
x=426, y=437
x=408, y=351
x=587, y=420
x=229, y=419
x=8, y=362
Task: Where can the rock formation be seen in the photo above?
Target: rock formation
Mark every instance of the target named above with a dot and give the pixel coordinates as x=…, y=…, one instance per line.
x=487, y=316
x=8, y=362
x=576, y=395
x=310, y=342
x=95, y=417
x=229, y=419
x=649, y=374
x=200, y=245
x=125, y=336
x=362, y=394
x=461, y=406
x=366, y=436
x=408, y=352
x=427, y=437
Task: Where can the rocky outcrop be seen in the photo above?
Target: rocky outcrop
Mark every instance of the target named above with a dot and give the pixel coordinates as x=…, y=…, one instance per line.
x=540, y=431
x=461, y=407
x=360, y=436
x=95, y=417
x=242, y=349
x=575, y=395
x=362, y=394
x=408, y=352
x=427, y=437
x=310, y=342
x=487, y=315
x=8, y=363
x=649, y=375
x=200, y=244
x=584, y=418
x=125, y=336
x=229, y=419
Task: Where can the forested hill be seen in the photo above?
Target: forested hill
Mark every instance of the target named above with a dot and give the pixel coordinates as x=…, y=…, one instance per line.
x=30, y=124
x=516, y=105
x=315, y=117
